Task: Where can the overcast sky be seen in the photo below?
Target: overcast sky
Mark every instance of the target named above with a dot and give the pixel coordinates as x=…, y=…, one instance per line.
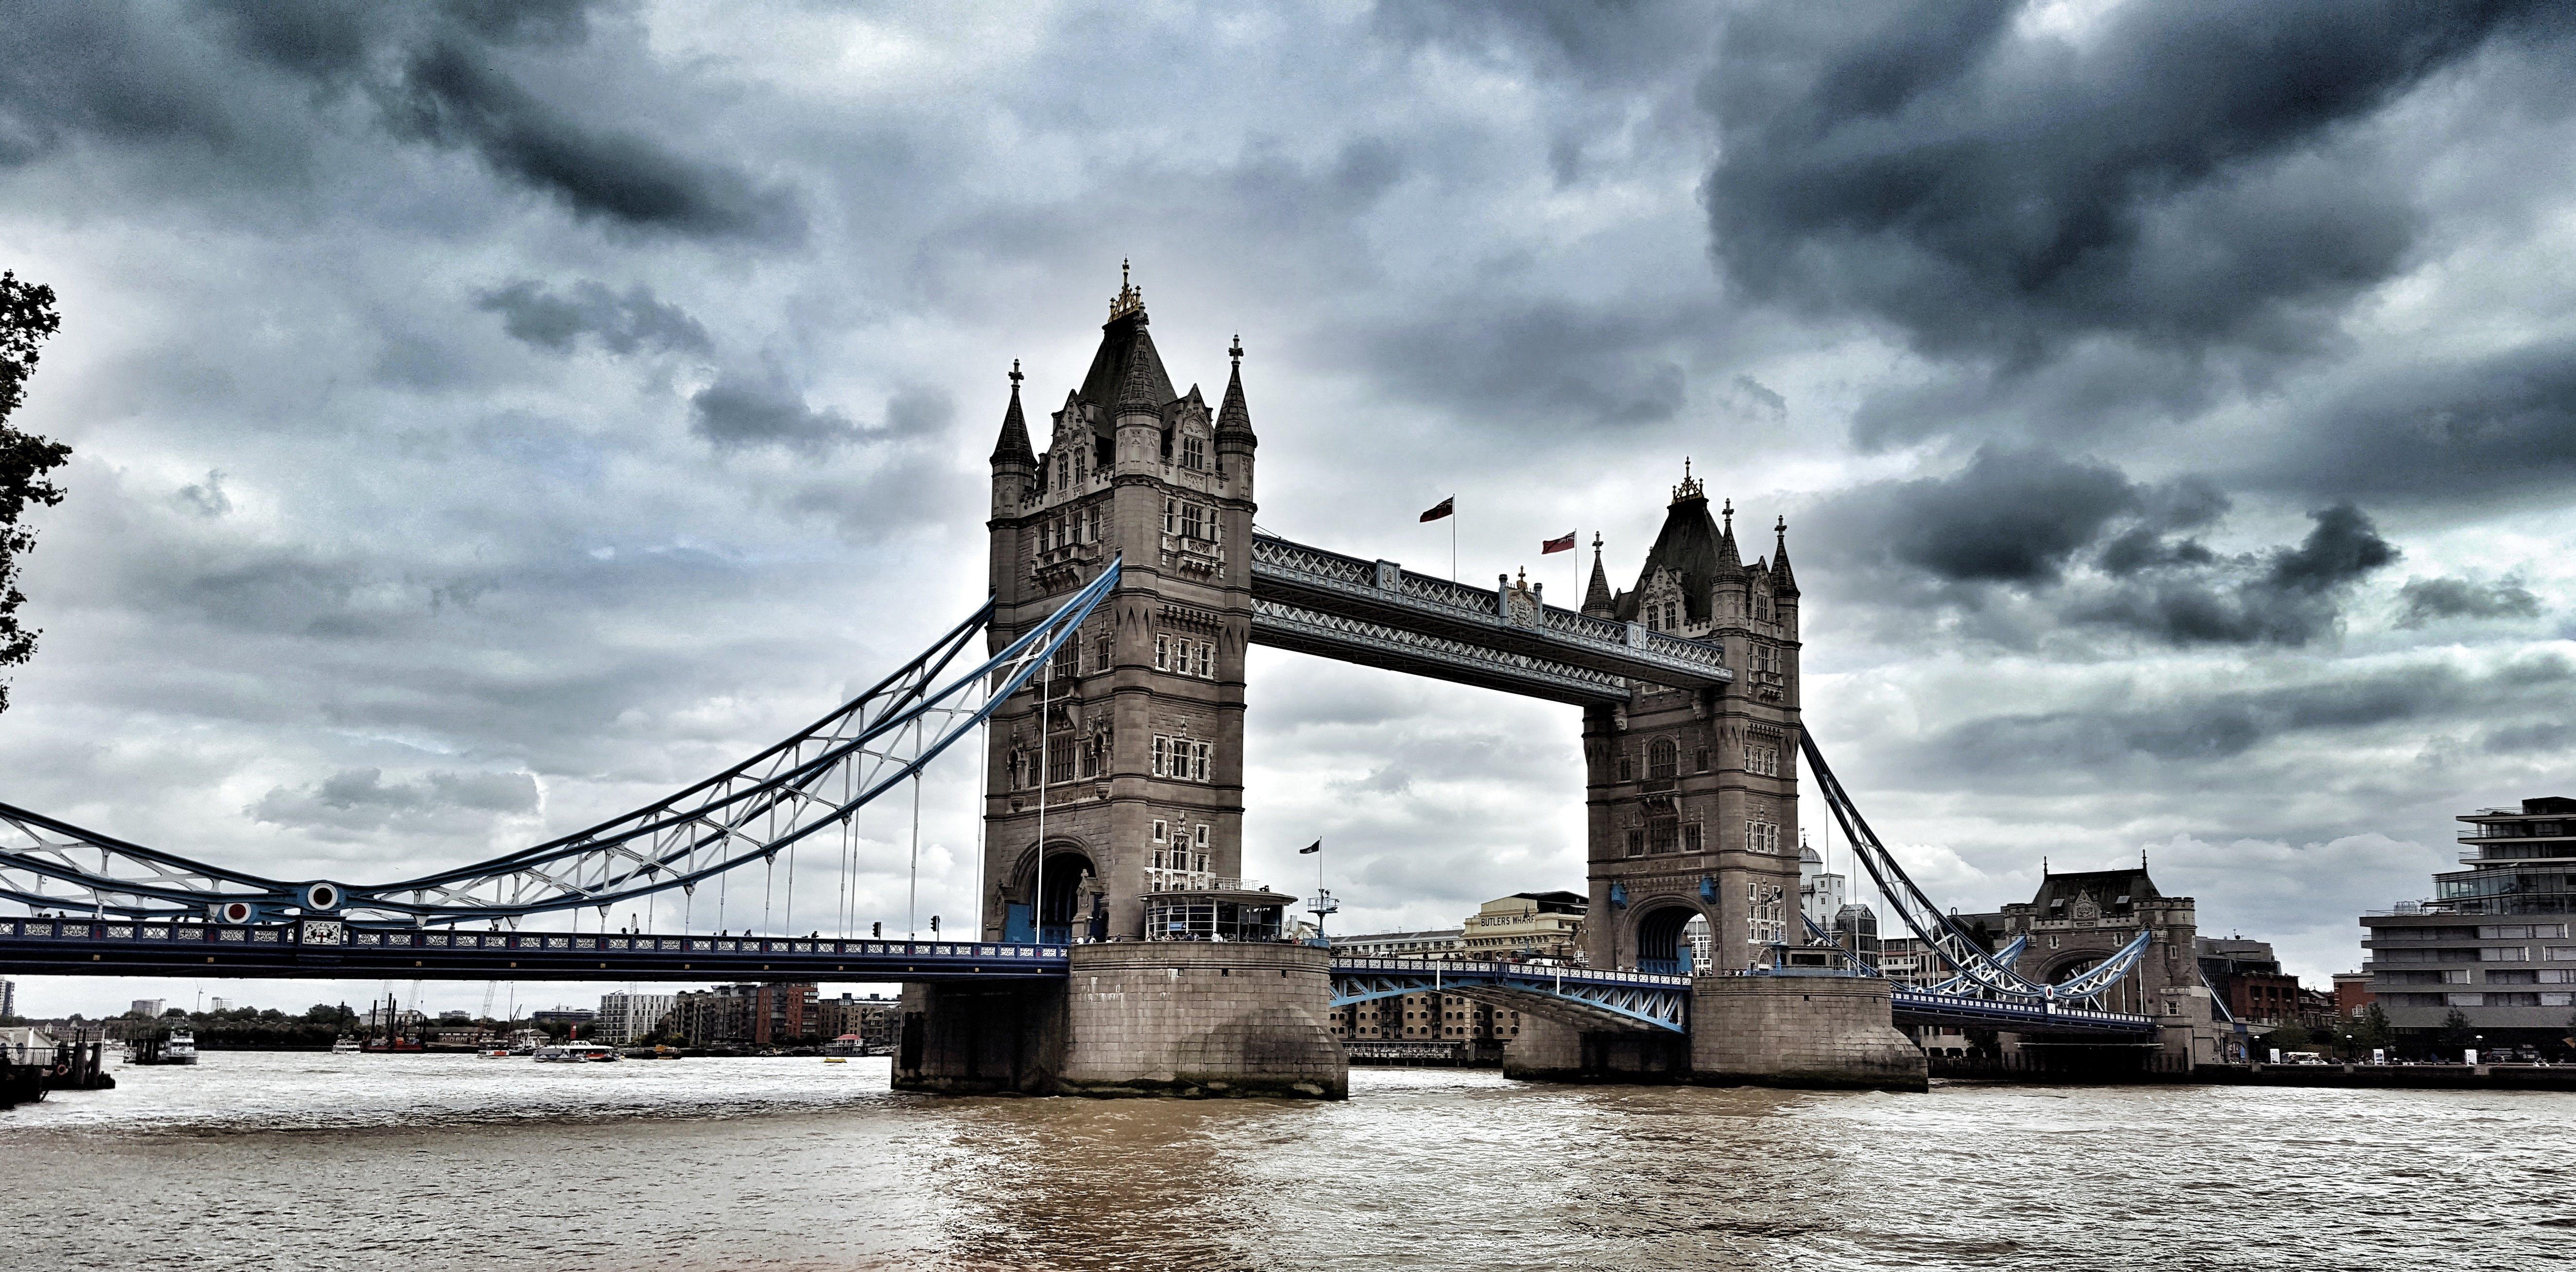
x=492, y=415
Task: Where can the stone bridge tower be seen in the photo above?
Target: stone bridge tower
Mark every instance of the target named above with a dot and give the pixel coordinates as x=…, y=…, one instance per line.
x=1131, y=752
x=1693, y=794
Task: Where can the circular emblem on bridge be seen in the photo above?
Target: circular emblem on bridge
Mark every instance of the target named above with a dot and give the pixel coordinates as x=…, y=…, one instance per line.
x=322, y=896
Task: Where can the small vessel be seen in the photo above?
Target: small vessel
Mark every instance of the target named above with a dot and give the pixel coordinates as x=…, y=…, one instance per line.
x=180, y=1049
x=836, y=1059
x=575, y=1053
x=346, y=1046
x=494, y=1053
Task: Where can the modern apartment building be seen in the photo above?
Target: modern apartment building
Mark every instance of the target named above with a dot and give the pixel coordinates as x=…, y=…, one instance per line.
x=625, y=1018
x=2492, y=942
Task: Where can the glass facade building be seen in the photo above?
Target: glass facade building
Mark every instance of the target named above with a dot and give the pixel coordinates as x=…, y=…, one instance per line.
x=2492, y=942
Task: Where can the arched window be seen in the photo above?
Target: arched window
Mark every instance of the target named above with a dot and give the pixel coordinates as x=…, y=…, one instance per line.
x=1662, y=758
x=1672, y=620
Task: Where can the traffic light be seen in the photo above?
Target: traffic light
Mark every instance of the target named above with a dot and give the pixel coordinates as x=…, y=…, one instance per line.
x=876, y=931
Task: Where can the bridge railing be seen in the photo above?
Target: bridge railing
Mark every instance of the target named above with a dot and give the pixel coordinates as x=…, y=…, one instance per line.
x=329, y=933
x=1531, y=971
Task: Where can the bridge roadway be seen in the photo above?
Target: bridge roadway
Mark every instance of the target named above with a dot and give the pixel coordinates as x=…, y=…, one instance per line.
x=322, y=949
x=325, y=949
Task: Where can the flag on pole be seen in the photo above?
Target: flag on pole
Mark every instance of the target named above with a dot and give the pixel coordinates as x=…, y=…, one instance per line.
x=1565, y=544
x=1317, y=846
x=1445, y=508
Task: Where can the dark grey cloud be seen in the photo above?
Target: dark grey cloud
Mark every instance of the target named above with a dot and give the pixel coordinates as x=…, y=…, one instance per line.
x=206, y=498
x=2105, y=743
x=2290, y=596
x=2424, y=601
x=2094, y=550
x=555, y=321
x=2457, y=429
x=742, y=411
x=357, y=801
x=2175, y=177
x=2010, y=517
x=451, y=95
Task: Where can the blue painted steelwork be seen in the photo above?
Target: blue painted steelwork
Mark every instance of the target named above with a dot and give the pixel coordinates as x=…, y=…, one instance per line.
x=324, y=948
x=814, y=780
x=1978, y=972
x=1621, y=1000
x=1923, y=1007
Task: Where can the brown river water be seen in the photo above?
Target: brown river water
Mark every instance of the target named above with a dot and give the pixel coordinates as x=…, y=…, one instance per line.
x=317, y=1161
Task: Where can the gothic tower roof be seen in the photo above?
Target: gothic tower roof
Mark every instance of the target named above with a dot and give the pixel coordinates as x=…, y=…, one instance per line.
x=1783, y=583
x=1597, y=599
x=1688, y=546
x=1126, y=371
x=1730, y=563
x=1234, y=419
x=1014, y=448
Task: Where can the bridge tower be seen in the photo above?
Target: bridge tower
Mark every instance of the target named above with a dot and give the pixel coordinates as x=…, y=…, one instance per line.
x=1131, y=751
x=1693, y=793
x=1117, y=775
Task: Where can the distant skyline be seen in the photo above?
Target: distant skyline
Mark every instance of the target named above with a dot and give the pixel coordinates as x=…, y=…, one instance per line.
x=490, y=417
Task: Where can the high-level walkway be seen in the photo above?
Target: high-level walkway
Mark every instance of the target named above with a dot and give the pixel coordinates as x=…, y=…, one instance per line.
x=1380, y=614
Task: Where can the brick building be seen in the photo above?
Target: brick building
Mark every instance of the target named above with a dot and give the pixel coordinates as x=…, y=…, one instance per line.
x=768, y=1015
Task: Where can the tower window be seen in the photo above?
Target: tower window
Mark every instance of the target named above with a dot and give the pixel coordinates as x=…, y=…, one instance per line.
x=1636, y=843
x=1193, y=452
x=1690, y=838
x=1627, y=767
x=1162, y=653
x=1162, y=829
x=1661, y=759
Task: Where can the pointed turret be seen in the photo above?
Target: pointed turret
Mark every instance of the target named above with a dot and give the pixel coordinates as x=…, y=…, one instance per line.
x=1233, y=418
x=1597, y=600
x=1730, y=562
x=1014, y=448
x=1783, y=583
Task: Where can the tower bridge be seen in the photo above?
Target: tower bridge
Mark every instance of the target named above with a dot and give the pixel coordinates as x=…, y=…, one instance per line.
x=1116, y=948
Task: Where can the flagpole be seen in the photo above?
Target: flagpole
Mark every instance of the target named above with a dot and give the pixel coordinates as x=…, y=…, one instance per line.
x=1453, y=546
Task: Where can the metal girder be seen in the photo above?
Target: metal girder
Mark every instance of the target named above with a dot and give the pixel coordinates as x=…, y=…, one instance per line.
x=810, y=782
x=1924, y=1007
x=1639, y=1001
x=1285, y=626
x=1487, y=623
x=332, y=948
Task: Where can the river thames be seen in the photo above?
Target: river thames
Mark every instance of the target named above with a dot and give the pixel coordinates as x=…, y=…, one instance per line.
x=264, y=1160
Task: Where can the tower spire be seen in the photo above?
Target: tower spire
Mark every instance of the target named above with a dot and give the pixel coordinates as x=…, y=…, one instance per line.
x=1233, y=418
x=1014, y=448
x=1597, y=599
x=1783, y=583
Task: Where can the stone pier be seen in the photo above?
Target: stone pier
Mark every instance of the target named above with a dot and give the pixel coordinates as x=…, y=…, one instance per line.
x=1135, y=1018
x=1785, y=1031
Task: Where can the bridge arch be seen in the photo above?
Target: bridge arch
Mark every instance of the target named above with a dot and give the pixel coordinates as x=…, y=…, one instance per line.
x=1073, y=887
x=2126, y=996
x=1657, y=933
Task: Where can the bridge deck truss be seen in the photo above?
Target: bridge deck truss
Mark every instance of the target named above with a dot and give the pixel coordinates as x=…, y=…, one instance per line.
x=1381, y=614
x=1629, y=1001
x=327, y=948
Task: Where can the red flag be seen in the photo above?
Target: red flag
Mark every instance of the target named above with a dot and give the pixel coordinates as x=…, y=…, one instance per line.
x=1445, y=508
x=1565, y=544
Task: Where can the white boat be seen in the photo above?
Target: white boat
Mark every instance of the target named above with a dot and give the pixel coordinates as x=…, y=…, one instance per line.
x=575, y=1053
x=346, y=1046
x=180, y=1049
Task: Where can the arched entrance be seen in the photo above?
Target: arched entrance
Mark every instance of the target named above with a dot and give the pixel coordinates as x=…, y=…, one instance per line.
x=1663, y=938
x=1068, y=910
